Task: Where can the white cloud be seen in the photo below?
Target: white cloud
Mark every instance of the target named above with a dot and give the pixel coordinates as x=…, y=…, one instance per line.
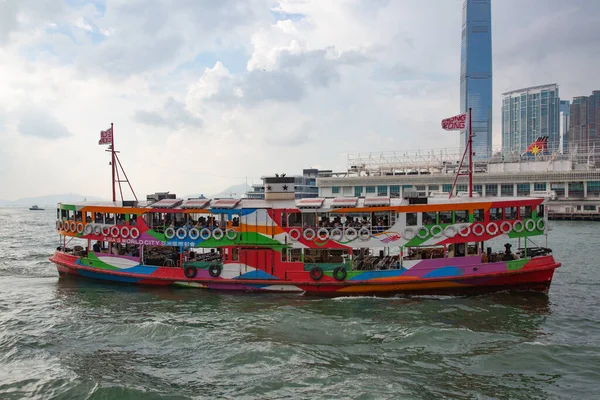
x=204, y=93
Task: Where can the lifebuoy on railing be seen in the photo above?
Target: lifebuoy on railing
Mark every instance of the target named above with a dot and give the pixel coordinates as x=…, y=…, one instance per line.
x=478, y=229
x=231, y=234
x=134, y=233
x=492, y=228
x=125, y=232
x=73, y=227
x=115, y=231
x=169, y=233
x=309, y=234
x=364, y=234
x=205, y=234
x=98, y=229
x=181, y=233
x=409, y=234
x=541, y=225
x=323, y=234
x=194, y=233
x=465, y=230
x=518, y=226
x=59, y=225
x=350, y=234
x=450, y=231
x=336, y=234
x=217, y=234
x=79, y=227
x=530, y=225
x=505, y=227
x=423, y=232
x=106, y=230
x=438, y=231
x=89, y=229
x=316, y=273
x=295, y=235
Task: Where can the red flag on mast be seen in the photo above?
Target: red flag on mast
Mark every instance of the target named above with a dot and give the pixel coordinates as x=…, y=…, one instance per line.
x=455, y=123
x=106, y=136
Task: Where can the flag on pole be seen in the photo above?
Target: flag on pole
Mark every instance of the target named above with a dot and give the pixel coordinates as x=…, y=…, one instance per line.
x=538, y=146
x=106, y=136
x=455, y=123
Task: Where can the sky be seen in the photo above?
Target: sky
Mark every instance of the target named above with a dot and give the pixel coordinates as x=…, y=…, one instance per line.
x=205, y=93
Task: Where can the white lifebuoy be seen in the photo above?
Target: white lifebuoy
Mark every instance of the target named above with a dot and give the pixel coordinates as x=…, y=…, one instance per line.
x=231, y=234
x=134, y=233
x=423, y=232
x=450, y=235
x=438, y=233
x=73, y=227
x=350, y=234
x=364, y=234
x=97, y=229
x=115, y=231
x=409, y=234
x=541, y=225
x=309, y=234
x=323, y=234
x=336, y=234
x=169, y=233
x=79, y=227
x=89, y=229
x=194, y=233
x=59, y=226
x=505, y=227
x=106, y=231
x=465, y=231
x=518, y=226
x=181, y=233
x=478, y=229
x=205, y=234
x=530, y=227
x=217, y=234
x=125, y=232
x=295, y=235
x=492, y=229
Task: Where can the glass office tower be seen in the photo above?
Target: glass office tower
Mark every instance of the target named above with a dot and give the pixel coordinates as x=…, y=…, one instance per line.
x=476, y=74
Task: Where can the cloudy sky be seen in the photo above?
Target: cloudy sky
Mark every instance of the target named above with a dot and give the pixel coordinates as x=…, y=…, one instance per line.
x=204, y=93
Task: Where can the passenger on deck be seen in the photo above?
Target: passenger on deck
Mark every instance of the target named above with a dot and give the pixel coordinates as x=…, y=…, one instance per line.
x=97, y=247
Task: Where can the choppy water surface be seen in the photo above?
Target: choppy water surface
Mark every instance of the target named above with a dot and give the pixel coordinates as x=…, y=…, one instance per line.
x=66, y=338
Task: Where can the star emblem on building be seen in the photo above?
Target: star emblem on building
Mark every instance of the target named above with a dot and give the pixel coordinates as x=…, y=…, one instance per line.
x=535, y=150
x=285, y=187
x=269, y=187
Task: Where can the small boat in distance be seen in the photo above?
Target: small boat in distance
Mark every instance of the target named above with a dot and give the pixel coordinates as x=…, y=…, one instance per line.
x=36, y=208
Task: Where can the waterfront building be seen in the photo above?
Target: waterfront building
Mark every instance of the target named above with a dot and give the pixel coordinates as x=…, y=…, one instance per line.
x=304, y=186
x=476, y=74
x=528, y=114
x=564, y=108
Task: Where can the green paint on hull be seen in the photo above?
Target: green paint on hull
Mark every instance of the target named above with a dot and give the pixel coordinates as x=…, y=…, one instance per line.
x=516, y=264
x=93, y=261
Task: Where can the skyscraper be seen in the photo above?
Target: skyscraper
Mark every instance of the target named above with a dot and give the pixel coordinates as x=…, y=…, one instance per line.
x=565, y=113
x=476, y=74
x=528, y=114
x=584, y=125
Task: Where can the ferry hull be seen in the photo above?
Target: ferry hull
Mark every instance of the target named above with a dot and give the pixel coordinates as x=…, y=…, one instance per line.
x=536, y=276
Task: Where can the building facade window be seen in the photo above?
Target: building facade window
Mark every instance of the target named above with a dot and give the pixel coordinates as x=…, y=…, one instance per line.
x=335, y=189
x=461, y=188
x=576, y=189
x=593, y=188
x=446, y=188
x=506, y=190
x=478, y=189
x=539, y=186
x=358, y=190
x=491, y=190
x=394, y=190
x=370, y=189
x=382, y=190
x=523, y=189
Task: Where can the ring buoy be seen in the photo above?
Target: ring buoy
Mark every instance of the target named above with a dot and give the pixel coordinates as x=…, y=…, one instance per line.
x=465, y=231
x=181, y=233
x=169, y=233
x=295, y=235
x=505, y=227
x=89, y=229
x=205, y=234
x=215, y=270
x=115, y=231
x=59, y=225
x=73, y=227
x=106, y=231
x=530, y=225
x=97, y=229
x=190, y=271
x=364, y=234
x=478, y=229
x=336, y=234
x=231, y=234
x=194, y=233
x=438, y=233
x=217, y=234
x=125, y=232
x=316, y=273
x=452, y=232
x=423, y=232
x=323, y=234
x=339, y=273
x=309, y=234
x=350, y=234
x=80, y=228
x=518, y=226
x=134, y=233
x=541, y=225
x=492, y=229
x=409, y=234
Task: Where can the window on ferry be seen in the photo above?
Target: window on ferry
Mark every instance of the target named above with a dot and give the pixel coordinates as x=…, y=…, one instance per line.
x=294, y=219
x=495, y=214
x=370, y=190
x=461, y=216
x=510, y=213
x=445, y=217
x=411, y=219
x=525, y=212
x=63, y=214
x=353, y=220
x=284, y=219
x=284, y=255
x=295, y=255
x=235, y=254
x=478, y=215
x=540, y=211
x=109, y=218
x=71, y=215
x=121, y=219
x=381, y=220
x=88, y=216
x=132, y=218
x=235, y=220
x=429, y=218
x=472, y=249
x=309, y=220
x=79, y=216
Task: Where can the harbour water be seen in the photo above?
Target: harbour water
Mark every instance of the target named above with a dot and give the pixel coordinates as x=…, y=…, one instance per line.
x=74, y=339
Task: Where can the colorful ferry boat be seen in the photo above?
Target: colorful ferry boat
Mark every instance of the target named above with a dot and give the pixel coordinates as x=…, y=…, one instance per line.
x=322, y=246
